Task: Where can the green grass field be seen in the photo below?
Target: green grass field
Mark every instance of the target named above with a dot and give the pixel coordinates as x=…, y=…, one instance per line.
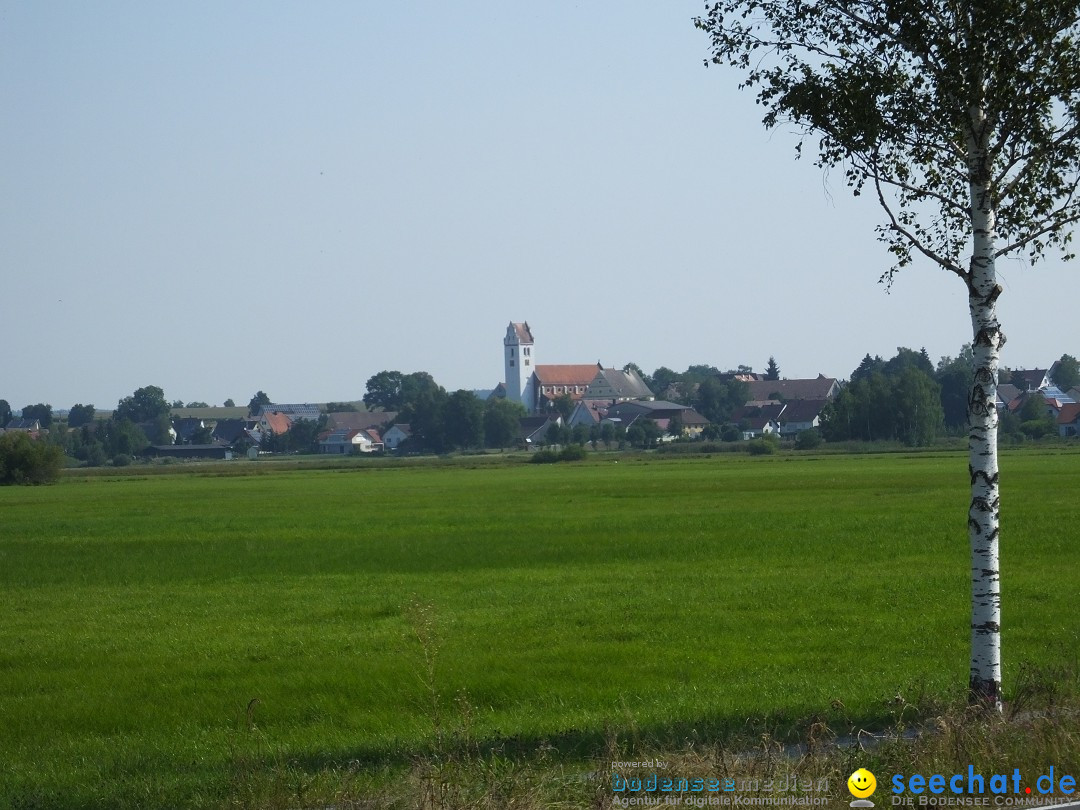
x=374, y=610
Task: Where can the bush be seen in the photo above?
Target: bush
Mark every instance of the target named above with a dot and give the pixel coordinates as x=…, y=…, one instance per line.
x=121, y=460
x=760, y=447
x=573, y=452
x=808, y=439
x=544, y=457
x=95, y=455
x=730, y=433
x=25, y=461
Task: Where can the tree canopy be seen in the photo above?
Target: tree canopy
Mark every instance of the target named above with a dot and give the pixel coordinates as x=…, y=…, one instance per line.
x=256, y=403
x=26, y=461
x=394, y=391
x=501, y=420
x=145, y=405
x=80, y=415
x=955, y=375
x=914, y=99
x=772, y=370
x=1067, y=372
x=42, y=412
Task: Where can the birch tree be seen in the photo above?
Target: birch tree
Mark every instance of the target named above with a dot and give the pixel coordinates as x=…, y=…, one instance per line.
x=962, y=119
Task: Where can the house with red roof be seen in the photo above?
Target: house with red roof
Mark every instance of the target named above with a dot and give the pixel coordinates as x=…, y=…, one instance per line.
x=274, y=422
x=1068, y=420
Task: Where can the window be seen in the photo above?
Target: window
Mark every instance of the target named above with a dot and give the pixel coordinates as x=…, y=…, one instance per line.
x=511, y=363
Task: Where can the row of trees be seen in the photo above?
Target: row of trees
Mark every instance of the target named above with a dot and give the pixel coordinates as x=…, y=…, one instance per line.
x=908, y=399
x=442, y=421
x=896, y=400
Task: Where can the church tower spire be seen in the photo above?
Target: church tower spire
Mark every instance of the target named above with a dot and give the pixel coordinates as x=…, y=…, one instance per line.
x=519, y=360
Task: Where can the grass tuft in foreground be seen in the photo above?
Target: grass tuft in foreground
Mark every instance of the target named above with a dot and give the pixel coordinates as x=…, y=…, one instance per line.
x=1041, y=726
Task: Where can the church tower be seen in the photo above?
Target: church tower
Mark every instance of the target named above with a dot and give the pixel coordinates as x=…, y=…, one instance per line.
x=519, y=361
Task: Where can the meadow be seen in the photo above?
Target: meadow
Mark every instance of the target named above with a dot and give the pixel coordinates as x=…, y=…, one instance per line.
x=163, y=637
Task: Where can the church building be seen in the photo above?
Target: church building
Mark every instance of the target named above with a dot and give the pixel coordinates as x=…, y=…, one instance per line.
x=536, y=385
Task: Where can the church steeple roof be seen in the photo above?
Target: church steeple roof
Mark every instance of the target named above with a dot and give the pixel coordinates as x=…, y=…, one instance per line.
x=522, y=331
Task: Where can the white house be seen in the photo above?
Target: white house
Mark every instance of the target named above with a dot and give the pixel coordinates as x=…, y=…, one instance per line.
x=800, y=415
x=346, y=442
x=395, y=435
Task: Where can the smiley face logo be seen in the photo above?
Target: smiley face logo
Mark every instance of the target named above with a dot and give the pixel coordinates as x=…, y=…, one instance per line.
x=861, y=783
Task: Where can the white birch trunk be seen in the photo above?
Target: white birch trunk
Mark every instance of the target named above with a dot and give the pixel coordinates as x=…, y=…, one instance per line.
x=983, y=523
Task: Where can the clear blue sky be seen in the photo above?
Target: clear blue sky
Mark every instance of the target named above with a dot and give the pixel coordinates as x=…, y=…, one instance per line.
x=218, y=198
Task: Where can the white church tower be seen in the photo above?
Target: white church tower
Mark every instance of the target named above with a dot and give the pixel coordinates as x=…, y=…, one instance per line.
x=520, y=361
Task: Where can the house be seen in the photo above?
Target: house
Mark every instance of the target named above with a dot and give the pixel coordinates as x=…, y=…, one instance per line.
x=587, y=412
x=617, y=385
x=25, y=425
x=754, y=421
x=395, y=435
x=186, y=428
x=1006, y=393
x=1053, y=392
x=801, y=414
x=820, y=387
x=308, y=412
x=652, y=409
x=1030, y=379
x=274, y=422
x=229, y=432
x=1052, y=399
x=533, y=429
x=359, y=420
x=659, y=411
x=1068, y=420
x=346, y=442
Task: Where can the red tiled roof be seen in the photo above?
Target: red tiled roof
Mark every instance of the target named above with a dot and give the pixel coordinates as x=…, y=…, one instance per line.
x=277, y=422
x=1069, y=413
x=566, y=374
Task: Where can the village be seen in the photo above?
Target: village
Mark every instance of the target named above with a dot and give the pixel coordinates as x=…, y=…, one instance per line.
x=542, y=404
